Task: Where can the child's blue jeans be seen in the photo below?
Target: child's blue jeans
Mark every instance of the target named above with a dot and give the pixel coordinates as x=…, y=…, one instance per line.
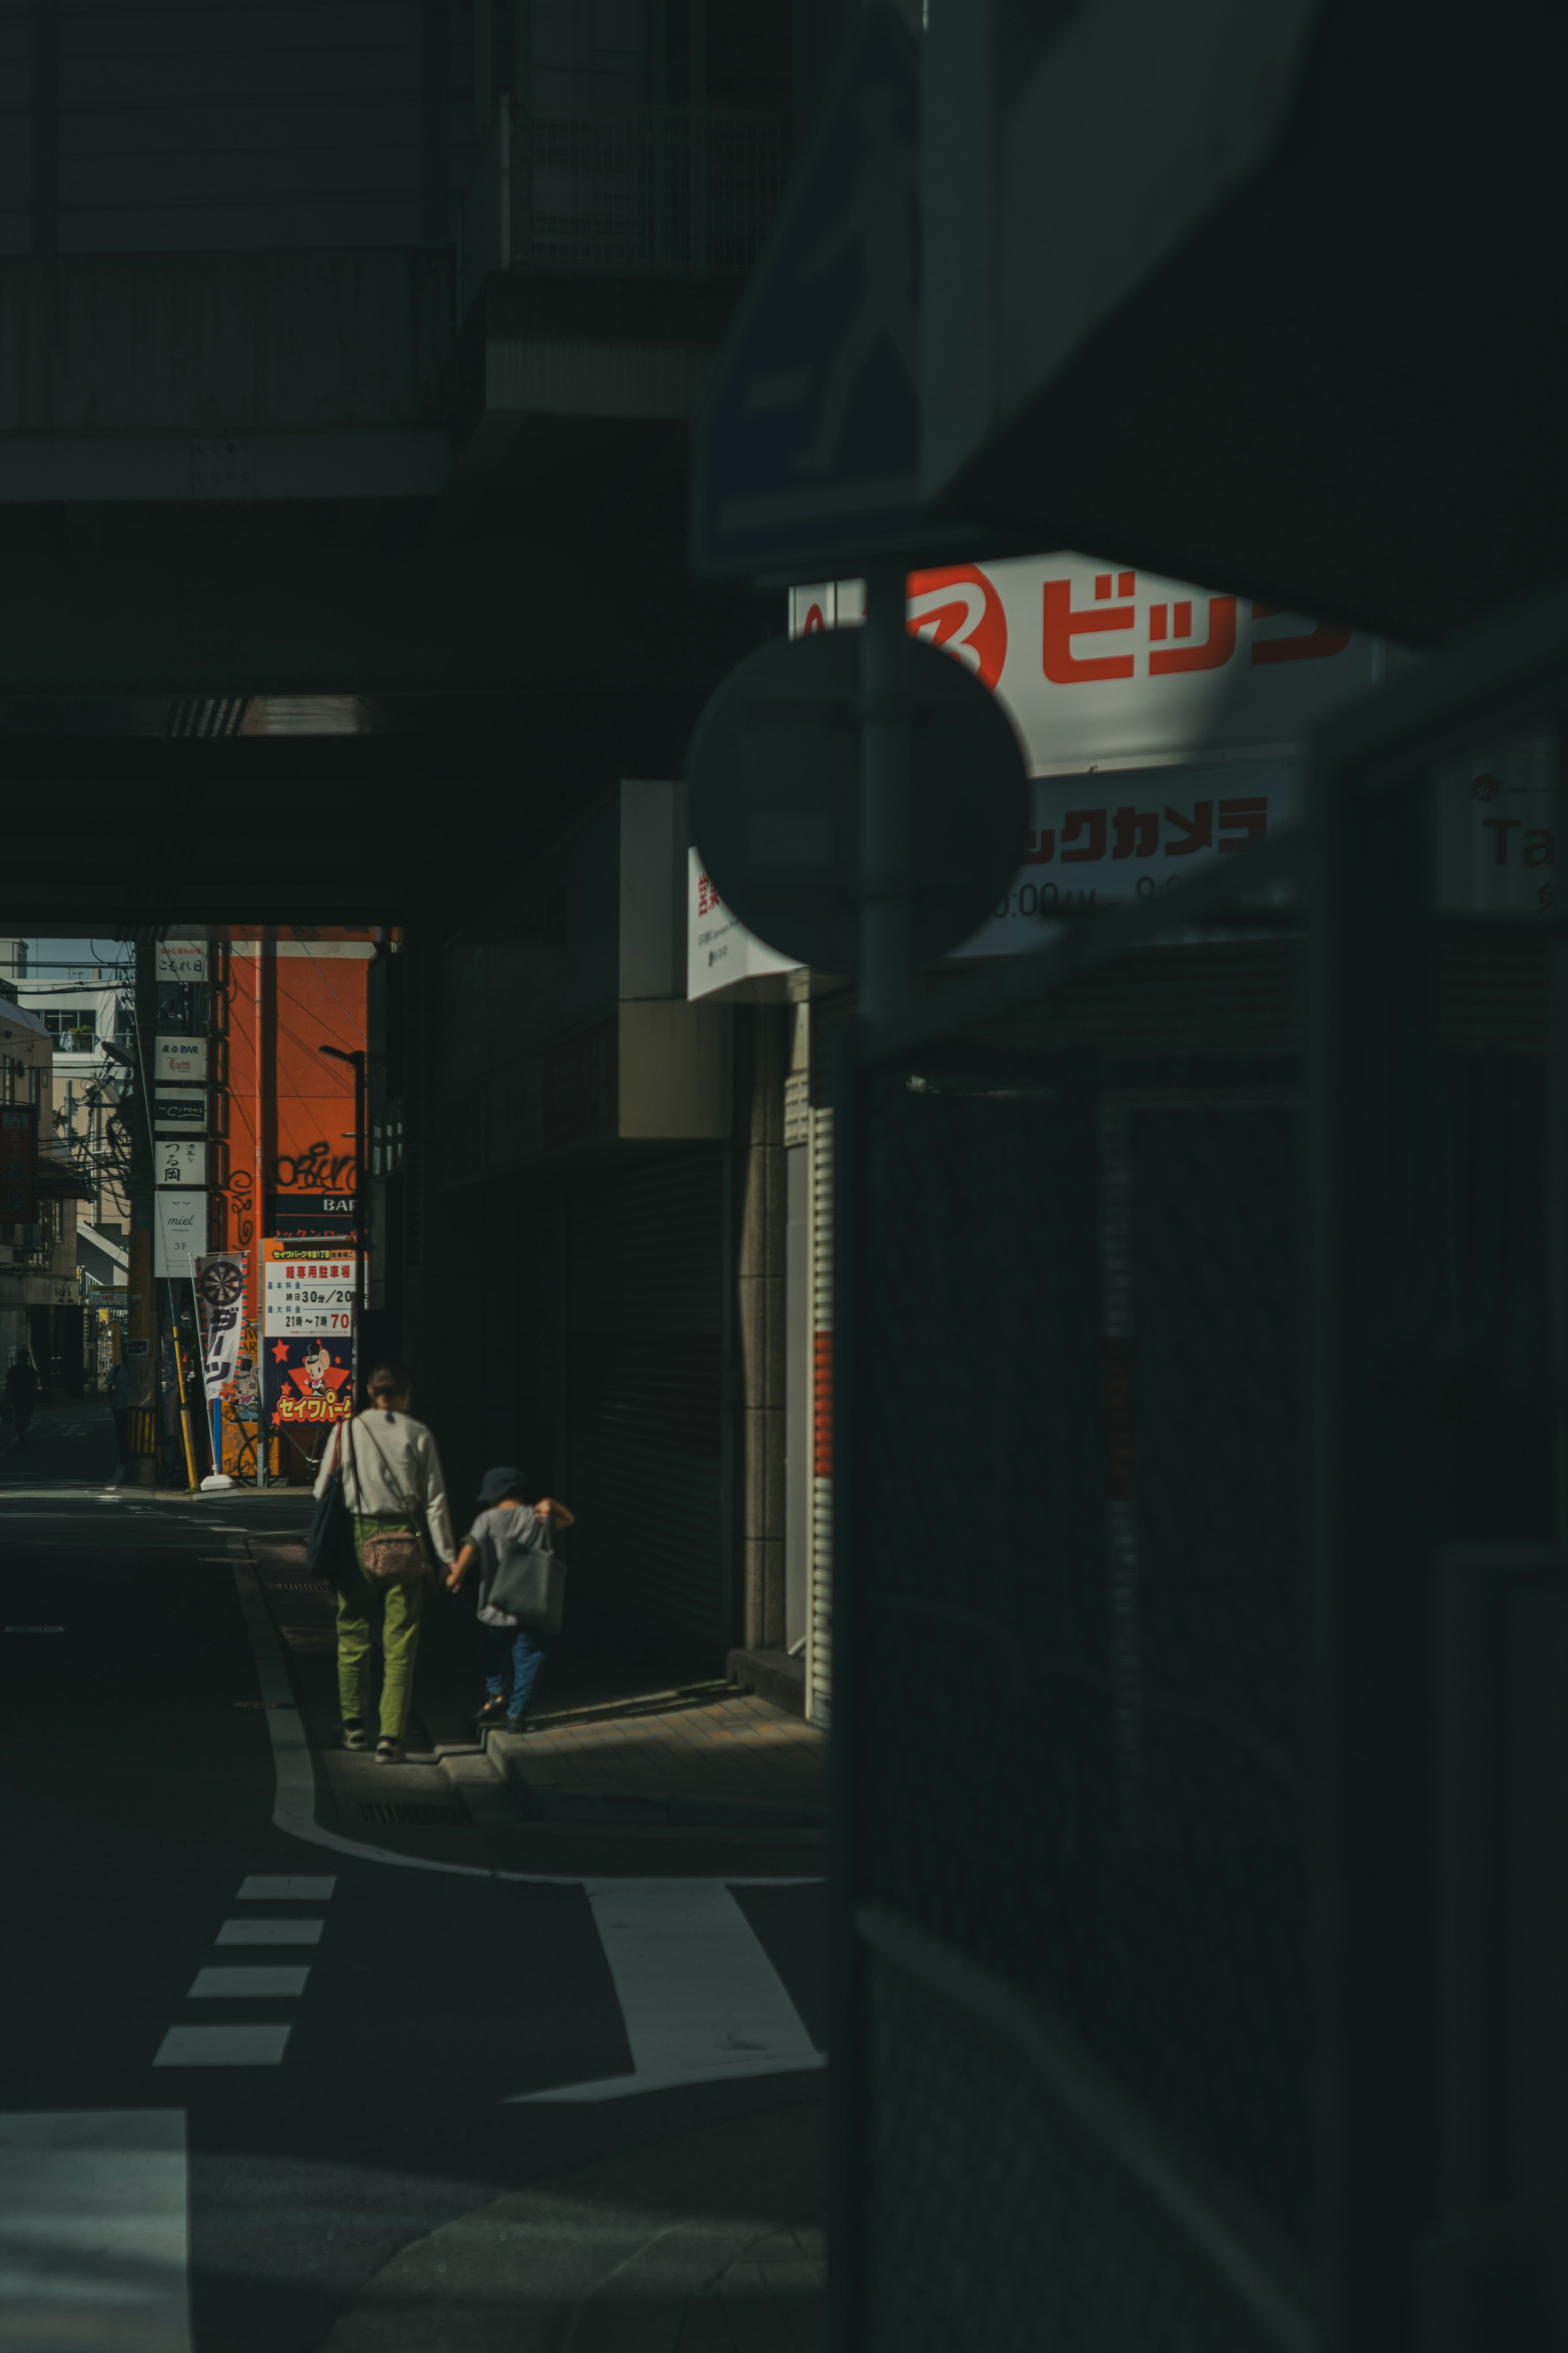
x=512, y=1654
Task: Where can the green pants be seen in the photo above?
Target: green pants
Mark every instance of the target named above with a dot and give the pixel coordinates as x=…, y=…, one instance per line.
x=388, y=1615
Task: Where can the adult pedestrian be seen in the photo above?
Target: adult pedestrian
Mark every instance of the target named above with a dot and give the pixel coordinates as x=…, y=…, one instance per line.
x=392, y=1486
x=118, y=1390
x=22, y=1392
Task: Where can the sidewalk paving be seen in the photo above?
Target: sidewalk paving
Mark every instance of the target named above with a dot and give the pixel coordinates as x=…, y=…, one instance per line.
x=710, y=2243
x=610, y=1744
x=695, y=1755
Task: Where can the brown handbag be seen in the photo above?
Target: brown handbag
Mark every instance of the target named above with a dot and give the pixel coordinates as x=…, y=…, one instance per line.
x=393, y=1556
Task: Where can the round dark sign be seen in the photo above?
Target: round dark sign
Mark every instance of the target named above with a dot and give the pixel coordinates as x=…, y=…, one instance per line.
x=774, y=775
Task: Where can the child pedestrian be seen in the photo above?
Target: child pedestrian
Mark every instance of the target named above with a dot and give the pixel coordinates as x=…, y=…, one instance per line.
x=509, y=1653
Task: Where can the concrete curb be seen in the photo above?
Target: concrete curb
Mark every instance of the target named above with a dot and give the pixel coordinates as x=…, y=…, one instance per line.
x=602, y=2260
x=508, y=1753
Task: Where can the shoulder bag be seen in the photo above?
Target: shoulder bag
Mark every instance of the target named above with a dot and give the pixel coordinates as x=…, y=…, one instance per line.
x=329, y=1547
x=391, y=1555
x=529, y=1581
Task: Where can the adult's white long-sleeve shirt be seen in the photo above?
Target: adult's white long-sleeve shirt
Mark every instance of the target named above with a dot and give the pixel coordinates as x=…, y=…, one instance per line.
x=390, y=1471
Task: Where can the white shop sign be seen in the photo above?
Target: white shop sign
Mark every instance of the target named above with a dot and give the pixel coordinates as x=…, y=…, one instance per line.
x=1095, y=662
x=719, y=949
x=1114, y=838
x=179, y=1233
x=306, y=1295
x=181, y=1112
x=182, y=960
x=180, y=1160
x=180, y=1062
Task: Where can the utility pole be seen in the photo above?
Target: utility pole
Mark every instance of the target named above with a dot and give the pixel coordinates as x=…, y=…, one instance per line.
x=142, y=1329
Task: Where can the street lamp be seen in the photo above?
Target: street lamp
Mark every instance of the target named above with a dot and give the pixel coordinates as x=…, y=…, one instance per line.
x=361, y=1277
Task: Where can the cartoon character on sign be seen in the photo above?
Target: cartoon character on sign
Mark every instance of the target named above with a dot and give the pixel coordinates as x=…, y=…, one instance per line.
x=310, y=1381
x=318, y=1376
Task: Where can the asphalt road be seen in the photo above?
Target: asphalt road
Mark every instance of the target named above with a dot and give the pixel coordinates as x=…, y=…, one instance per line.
x=137, y=1786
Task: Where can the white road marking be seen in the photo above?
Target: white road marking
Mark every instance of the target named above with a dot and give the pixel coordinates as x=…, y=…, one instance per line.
x=259, y=1890
x=96, y=2244
x=699, y=1997
x=221, y=2046
x=248, y=1985
x=269, y=1931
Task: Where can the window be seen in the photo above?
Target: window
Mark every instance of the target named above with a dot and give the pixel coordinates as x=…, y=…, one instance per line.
x=66, y=1021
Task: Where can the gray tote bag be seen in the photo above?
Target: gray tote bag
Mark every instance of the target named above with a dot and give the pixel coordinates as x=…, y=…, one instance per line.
x=529, y=1581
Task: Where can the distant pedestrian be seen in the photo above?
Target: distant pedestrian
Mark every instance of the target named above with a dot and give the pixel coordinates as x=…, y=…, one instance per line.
x=22, y=1392
x=511, y=1652
x=118, y=1392
x=392, y=1486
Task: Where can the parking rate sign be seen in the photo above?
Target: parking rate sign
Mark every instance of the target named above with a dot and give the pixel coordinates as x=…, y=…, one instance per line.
x=307, y=1287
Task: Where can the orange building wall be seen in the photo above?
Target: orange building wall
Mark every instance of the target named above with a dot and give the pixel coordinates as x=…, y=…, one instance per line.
x=285, y=1113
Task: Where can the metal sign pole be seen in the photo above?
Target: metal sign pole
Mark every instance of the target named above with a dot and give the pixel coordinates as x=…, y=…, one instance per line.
x=884, y=799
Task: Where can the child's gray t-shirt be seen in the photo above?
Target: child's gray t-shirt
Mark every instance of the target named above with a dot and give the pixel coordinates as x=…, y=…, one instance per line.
x=492, y=1532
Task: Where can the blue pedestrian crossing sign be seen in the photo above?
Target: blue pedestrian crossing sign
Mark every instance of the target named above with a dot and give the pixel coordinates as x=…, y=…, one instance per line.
x=807, y=448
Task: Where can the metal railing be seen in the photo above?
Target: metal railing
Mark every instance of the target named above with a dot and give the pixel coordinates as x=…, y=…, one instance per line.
x=673, y=192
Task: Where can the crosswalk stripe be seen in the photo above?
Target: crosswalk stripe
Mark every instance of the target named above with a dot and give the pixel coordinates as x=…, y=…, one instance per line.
x=269, y=1931
x=247, y=1985
x=222, y=2046
x=259, y=1889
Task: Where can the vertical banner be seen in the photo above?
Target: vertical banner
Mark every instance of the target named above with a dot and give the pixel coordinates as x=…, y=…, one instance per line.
x=220, y=1298
x=306, y=1333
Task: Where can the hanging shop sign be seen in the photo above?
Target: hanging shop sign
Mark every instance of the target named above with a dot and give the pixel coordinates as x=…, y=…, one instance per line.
x=179, y=1233
x=220, y=1300
x=182, y=960
x=18, y=1152
x=719, y=949
x=307, y=1286
x=1096, y=661
x=1107, y=839
x=307, y=1291
x=180, y=1062
x=307, y=1381
x=311, y=1213
x=180, y=1160
x=182, y=1112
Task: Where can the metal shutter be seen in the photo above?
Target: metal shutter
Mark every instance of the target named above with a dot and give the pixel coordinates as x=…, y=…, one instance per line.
x=644, y=1403
x=819, y=1615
